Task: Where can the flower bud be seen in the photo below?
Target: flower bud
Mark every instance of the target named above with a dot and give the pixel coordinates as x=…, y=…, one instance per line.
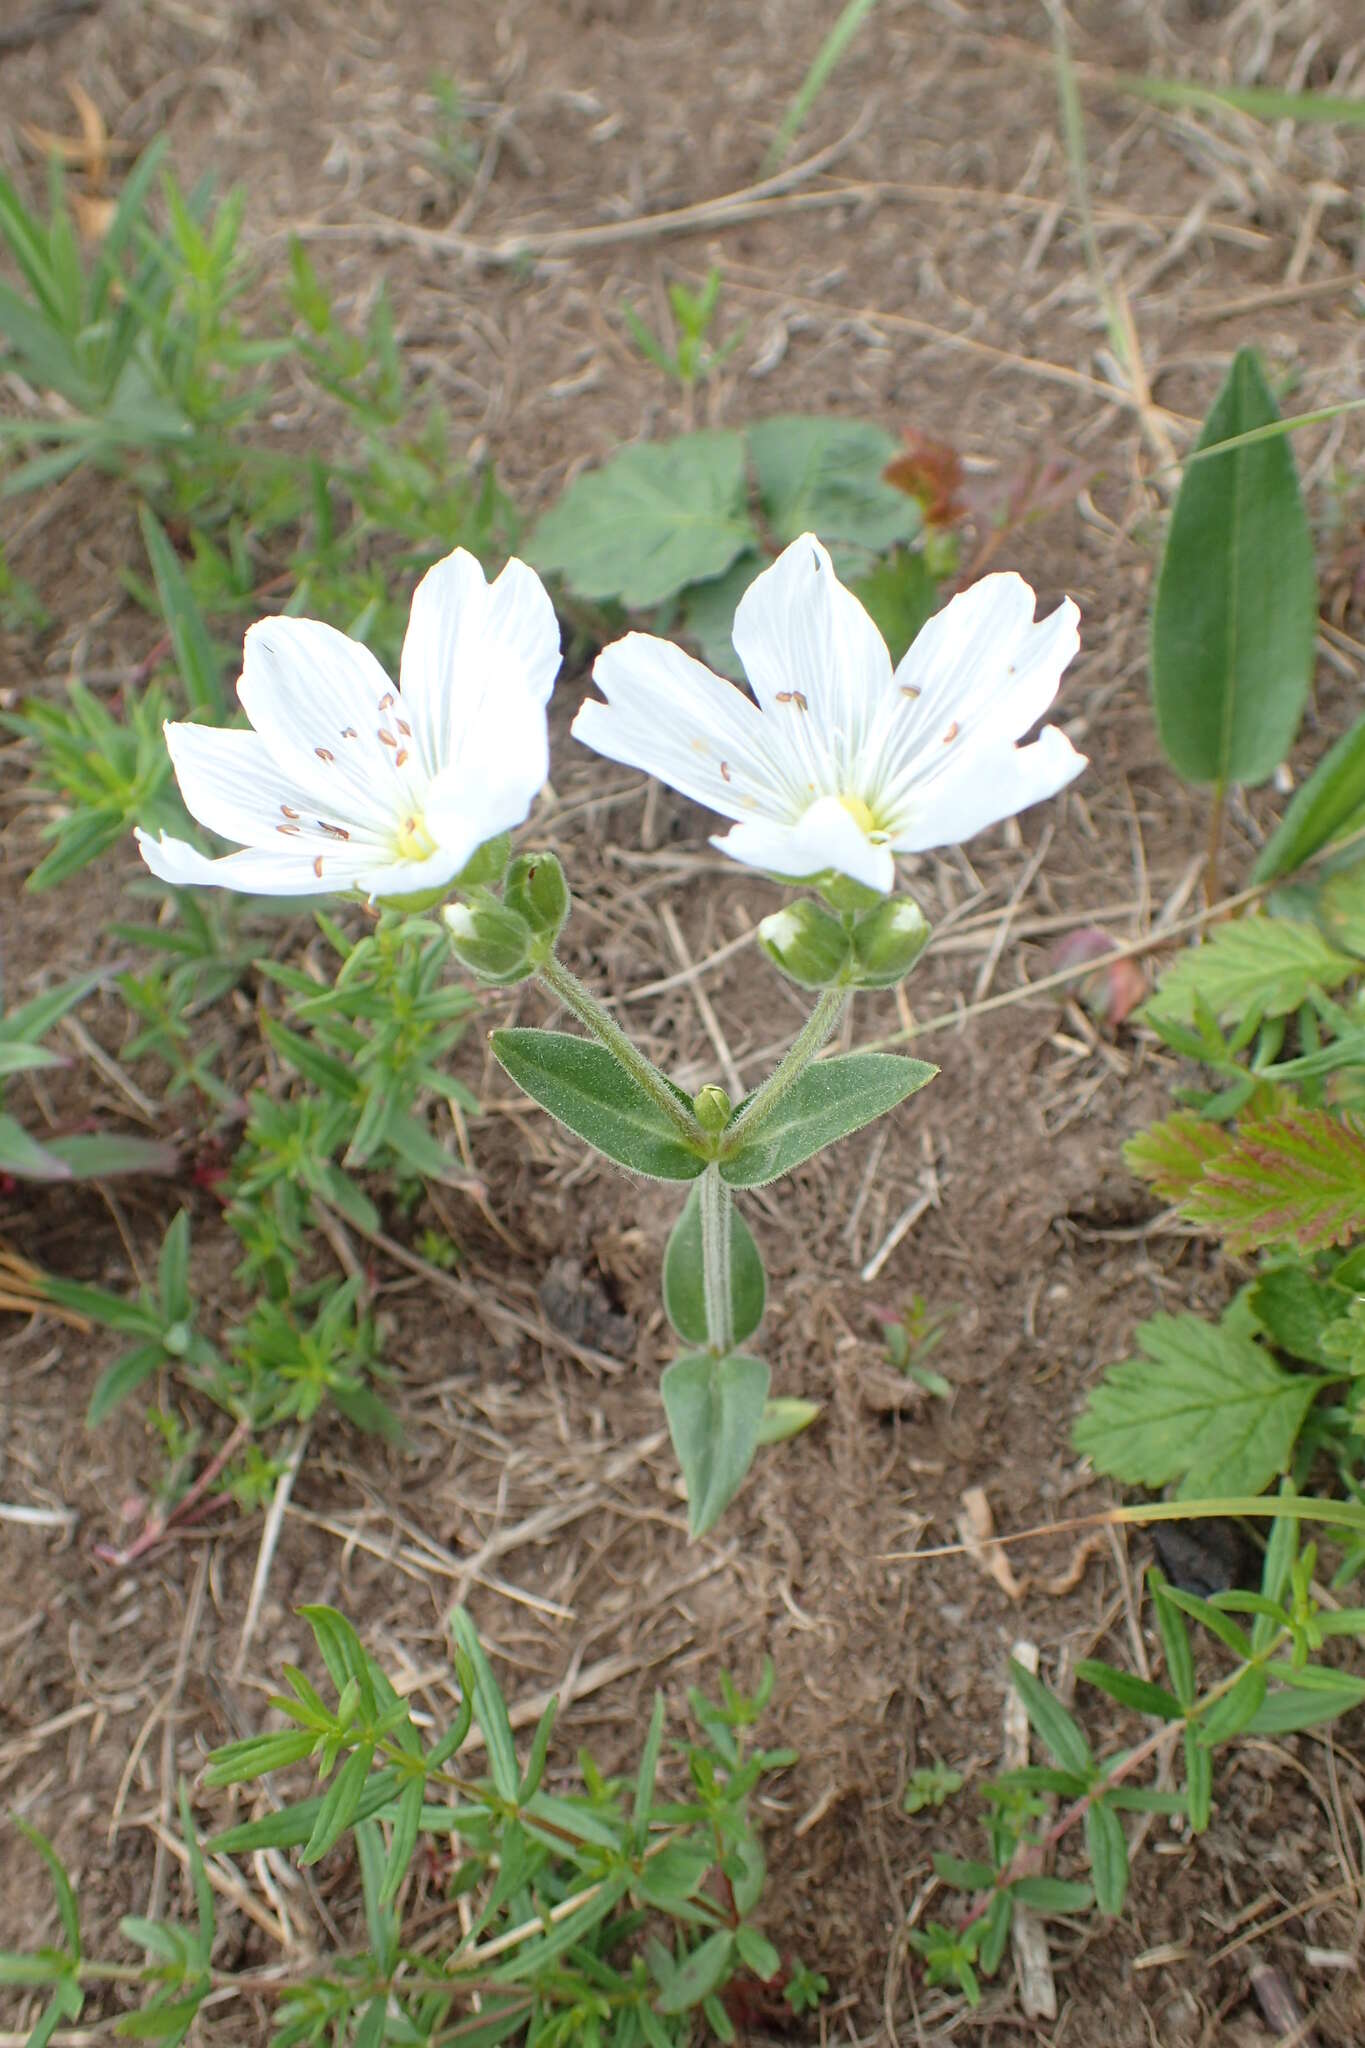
x=842, y=893
x=888, y=941
x=486, y=865
x=711, y=1106
x=490, y=941
x=807, y=944
x=536, y=890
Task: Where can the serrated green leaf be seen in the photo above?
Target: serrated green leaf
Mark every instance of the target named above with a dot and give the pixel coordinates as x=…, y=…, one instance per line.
x=683, y=1287
x=829, y=1101
x=1294, y=1309
x=1235, y=618
x=1055, y=1728
x=823, y=475
x=1173, y=1154
x=714, y=1408
x=1206, y=1406
x=582, y=1086
x=656, y=518
x=1104, y=1839
x=708, y=613
x=1294, y=1179
x=1258, y=961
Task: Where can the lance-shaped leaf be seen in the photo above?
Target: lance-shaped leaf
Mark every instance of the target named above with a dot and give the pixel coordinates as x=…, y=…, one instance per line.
x=831, y=1099
x=1236, y=604
x=715, y=1410
x=684, y=1286
x=582, y=1085
x=1330, y=805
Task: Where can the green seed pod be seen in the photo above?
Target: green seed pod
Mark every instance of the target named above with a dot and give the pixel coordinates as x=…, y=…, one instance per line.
x=712, y=1109
x=492, y=942
x=888, y=941
x=536, y=890
x=809, y=945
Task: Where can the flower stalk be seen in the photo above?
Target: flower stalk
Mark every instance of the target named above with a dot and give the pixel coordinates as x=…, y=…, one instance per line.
x=604, y=1028
x=813, y=1033
x=717, y=1290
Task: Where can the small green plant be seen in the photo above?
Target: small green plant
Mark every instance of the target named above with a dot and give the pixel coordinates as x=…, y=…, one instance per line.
x=81, y=1155
x=617, y=1914
x=910, y=1339
x=692, y=356
x=930, y=1786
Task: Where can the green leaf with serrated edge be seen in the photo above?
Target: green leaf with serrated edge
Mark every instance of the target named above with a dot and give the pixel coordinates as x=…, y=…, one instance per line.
x=1172, y=1155
x=1261, y=961
x=1294, y=1179
x=1138, y=1693
x=490, y=1710
x=829, y=1101
x=581, y=1085
x=1330, y=805
x=1288, y=1708
x=1055, y=1728
x=1237, y=1708
x=1338, y=906
x=714, y=1408
x=683, y=1284
x=900, y=594
x=699, y=1973
x=67, y=1909
x=1053, y=1895
x=1235, y=617
x=1104, y=1839
x=1198, y=1781
x=824, y=476
x=340, y=1803
x=654, y=519
x=1206, y=1406
x=1294, y=1309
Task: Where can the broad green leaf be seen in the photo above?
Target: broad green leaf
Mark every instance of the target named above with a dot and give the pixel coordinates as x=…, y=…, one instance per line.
x=1339, y=907
x=901, y=593
x=1265, y=961
x=701, y=1972
x=1297, y=1178
x=831, y=1099
x=714, y=1408
x=824, y=476
x=1235, y=617
x=1330, y=805
x=684, y=1292
x=1206, y=1406
x=657, y=517
x=1104, y=1839
x=1294, y=1309
x=1051, y=1723
x=581, y=1084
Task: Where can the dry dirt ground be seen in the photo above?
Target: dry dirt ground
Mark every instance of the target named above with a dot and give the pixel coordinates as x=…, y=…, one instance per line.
x=928, y=269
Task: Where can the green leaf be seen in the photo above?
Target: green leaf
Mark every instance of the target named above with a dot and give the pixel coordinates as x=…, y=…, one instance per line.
x=714, y=1408
x=786, y=1415
x=1130, y=1691
x=1198, y=1780
x=98, y=1157
x=699, y=1974
x=25, y=1158
x=1206, y=1406
x=1330, y=805
x=1291, y=1707
x=831, y=1099
x=1051, y=1723
x=203, y=1890
x=490, y=1709
x=684, y=1292
x=199, y=665
x=964, y=1874
x=68, y=1910
x=1293, y=1179
x=582, y=1085
x=1108, y=1856
x=403, y=1843
x=656, y=518
x=1173, y=1154
x=1235, y=618
x=1237, y=1708
x=824, y=475
x=120, y=1379
x=1053, y=1895
x=340, y=1803
x=757, y=1953
x=1264, y=962
x=1294, y=1310
x=708, y=613
x=901, y=593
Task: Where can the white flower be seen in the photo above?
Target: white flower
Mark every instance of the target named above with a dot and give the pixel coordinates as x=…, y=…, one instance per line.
x=348, y=783
x=843, y=763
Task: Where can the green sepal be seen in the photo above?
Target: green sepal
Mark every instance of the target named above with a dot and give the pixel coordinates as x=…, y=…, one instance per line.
x=583, y=1087
x=683, y=1284
x=715, y=1411
x=829, y=1101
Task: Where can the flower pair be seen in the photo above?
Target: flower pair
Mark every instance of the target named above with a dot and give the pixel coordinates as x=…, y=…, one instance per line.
x=345, y=782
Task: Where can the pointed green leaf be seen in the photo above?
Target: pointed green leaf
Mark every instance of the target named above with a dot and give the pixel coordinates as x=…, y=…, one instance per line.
x=1237, y=1709
x=1235, y=618
x=490, y=1709
x=582, y=1086
x=1050, y=1721
x=684, y=1290
x=1292, y=1707
x=67, y=1908
x=1330, y=805
x=1053, y=1895
x=1129, y=1690
x=831, y=1099
x=715, y=1409
x=98, y=1156
x=1264, y=961
x=195, y=656
x=1198, y=1780
x=700, y=1973
x=25, y=1158
x=120, y=1379
x=1104, y=1838
x=340, y=1803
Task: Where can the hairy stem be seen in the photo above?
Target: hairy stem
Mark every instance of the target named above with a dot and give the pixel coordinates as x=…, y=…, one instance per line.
x=624, y=1051
x=790, y=1067
x=715, y=1261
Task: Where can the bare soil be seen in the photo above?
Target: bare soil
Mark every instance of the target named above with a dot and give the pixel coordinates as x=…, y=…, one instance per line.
x=932, y=274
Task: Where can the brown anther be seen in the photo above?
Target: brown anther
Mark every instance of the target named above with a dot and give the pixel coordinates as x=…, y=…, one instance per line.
x=725, y=771
x=324, y=754
x=793, y=697
x=400, y=757
x=386, y=702
x=911, y=690
x=333, y=831
x=289, y=831
x=951, y=734
x=287, y=812
x=387, y=737
x=404, y=728
x=348, y=732
x=317, y=865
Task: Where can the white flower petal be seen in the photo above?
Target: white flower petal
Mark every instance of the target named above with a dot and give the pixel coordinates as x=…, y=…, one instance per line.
x=257, y=871
x=987, y=783
x=669, y=715
x=496, y=777
x=472, y=645
x=231, y=783
x=812, y=654
x=330, y=718
x=827, y=836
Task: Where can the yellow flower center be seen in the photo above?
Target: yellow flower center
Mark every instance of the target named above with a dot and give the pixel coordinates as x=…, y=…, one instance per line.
x=859, y=812
x=414, y=842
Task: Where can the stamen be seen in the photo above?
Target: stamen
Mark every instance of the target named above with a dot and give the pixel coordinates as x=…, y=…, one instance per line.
x=386, y=702
x=404, y=727
x=348, y=732
x=387, y=737
x=317, y=865
x=290, y=831
x=793, y=697
x=953, y=730
x=400, y=757
x=725, y=771
x=287, y=812
x=911, y=690
x=332, y=831
x=324, y=754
